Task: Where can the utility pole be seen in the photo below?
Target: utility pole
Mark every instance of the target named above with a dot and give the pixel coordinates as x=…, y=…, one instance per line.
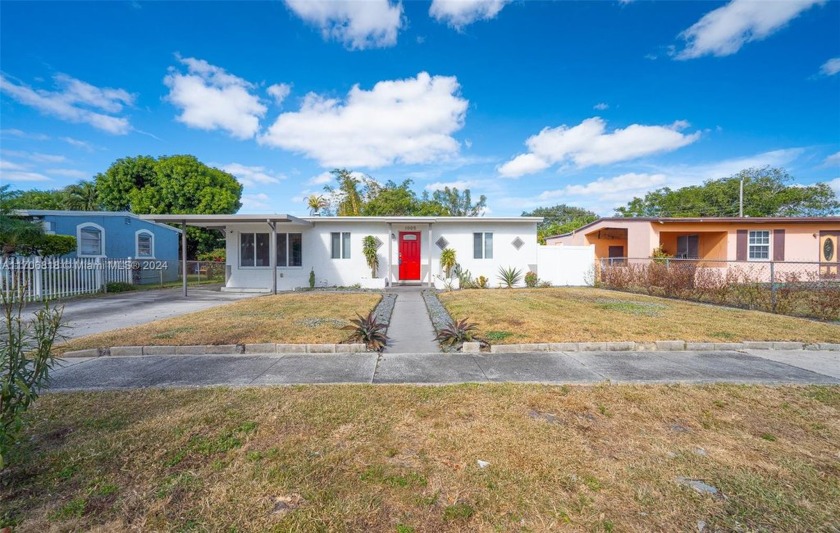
x=741, y=201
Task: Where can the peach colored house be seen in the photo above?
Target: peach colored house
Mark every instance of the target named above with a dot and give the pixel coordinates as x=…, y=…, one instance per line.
x=811, y=239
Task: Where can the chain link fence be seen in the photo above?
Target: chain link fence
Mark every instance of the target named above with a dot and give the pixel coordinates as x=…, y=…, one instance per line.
x=805, y=289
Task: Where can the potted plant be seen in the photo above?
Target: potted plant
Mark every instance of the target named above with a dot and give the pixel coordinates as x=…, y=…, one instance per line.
x=370, y=247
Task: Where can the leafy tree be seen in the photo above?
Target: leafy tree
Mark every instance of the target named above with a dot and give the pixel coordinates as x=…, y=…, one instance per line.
x=767, y=192
x=316, y=203
x=459, y=204
x=35, y=199
x=347, y=193
x=81, y=196
x=178, y=184
x=560, y=219
x=116, y=185
x=14, y=231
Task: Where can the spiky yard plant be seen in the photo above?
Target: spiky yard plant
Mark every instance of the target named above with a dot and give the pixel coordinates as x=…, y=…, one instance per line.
x=369, y=331
x=457, y=333
x=509, y=276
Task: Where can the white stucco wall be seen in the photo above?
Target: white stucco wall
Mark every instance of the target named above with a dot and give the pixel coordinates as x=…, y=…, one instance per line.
x=346, y=272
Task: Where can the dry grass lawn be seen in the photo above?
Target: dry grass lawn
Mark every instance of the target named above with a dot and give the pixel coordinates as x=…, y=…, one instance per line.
x=507, y=316
x=402, y=458
x=312, y=317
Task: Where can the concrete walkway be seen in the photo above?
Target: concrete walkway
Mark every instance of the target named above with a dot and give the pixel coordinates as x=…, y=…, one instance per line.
x=411, y=329
x=105, y=373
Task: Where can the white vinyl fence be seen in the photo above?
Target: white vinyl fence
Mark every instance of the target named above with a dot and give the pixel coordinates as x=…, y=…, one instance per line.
x=566, y=265
x=39, y=278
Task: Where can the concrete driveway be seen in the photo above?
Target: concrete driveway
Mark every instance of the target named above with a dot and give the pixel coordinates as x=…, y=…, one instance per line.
x=104, y=373
x=86, y=316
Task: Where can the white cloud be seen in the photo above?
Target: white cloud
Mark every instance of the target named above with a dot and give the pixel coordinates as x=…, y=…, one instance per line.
x=601, y=106
x=22, y=176
x=460, y=13
x=84, y=145
x=252, y=176
x=589, y=144
x=23, y=135
x=408, y=121
x=456, y=184
x=833, y=159
x=604, y=193
x=210, y=98
x=279, y=91
x=69, y=173
x=835, y=186
x=356, y=24
x=10, y=165
x=256, y=202
x=321, y=179
x=831, y=67
x=725, y=30
x=36, y=156
x=75, y=101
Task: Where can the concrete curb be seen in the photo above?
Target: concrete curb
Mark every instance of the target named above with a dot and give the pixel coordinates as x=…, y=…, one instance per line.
x=658, y=346
x=218, y=349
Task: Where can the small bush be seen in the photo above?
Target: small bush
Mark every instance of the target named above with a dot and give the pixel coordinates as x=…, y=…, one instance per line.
x=531, y=279
x=25, y=362
x=119, y=286
x=481, y=282
x=369, y=331
x=217, y=255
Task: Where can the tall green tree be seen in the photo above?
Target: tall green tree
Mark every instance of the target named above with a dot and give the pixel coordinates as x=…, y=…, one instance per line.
x=81, y=196
x=767, y=192
x=35, y=199
x=178, y=184
x=349, y=198
x=560, y=219
x=459, y=204
x=14, y=231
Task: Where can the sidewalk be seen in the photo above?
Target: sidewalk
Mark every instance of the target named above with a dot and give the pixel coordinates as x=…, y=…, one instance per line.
x=755, y=367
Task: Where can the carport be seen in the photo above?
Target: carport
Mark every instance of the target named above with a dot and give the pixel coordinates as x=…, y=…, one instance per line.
x=221, y=223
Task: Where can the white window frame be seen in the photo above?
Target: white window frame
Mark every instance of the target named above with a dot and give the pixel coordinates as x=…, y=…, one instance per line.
x=289, y=250
x=484, y=235
x=137, y=244
x=751, y=245
x=239, y=250
x=343, y=251
x=99, y=228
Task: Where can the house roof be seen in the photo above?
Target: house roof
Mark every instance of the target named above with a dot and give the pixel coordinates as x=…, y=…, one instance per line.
x=702, y=220
x=216, y=221
x=224, y=220
x=63, y=213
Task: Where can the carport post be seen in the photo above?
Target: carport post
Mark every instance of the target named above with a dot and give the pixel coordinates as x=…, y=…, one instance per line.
x=272, y=257
x=184, y=255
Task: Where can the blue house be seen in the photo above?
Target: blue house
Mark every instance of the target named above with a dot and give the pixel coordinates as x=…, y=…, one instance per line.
x=116, y=235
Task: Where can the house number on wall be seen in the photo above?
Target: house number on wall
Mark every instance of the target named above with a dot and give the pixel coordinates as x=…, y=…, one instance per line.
x=411, y=228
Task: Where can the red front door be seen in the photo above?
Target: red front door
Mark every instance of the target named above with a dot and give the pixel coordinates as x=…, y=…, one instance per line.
x=410, y=255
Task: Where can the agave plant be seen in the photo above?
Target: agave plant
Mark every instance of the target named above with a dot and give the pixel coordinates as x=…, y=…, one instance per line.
x=509, y=276
x=457, y=333
x=369, y=331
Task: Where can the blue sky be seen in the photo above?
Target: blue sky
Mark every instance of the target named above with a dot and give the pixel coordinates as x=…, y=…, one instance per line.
x=530, y=103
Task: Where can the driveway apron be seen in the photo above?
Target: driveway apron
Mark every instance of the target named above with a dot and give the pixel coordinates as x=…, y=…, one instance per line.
x=411, y=329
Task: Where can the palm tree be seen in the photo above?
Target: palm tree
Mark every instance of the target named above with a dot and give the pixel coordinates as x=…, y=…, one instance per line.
x=82, y=196
x=316, y=202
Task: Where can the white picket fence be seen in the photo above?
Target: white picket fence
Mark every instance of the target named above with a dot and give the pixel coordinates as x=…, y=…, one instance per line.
x=40, y=278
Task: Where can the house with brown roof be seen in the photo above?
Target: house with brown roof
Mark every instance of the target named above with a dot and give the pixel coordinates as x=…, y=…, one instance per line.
x=805, y=239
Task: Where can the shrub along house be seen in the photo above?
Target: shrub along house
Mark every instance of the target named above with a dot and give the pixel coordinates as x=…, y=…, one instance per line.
x=807, y=239
x=115, y=235
x=278, y=252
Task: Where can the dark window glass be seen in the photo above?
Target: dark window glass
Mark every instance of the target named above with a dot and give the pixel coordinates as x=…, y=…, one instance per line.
x=262, y=250
x=336, y=245
x=295, y=249
x=246, y=249
x=281, y=249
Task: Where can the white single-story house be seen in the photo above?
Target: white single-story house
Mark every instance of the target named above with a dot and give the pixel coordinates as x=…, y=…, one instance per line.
x=278, y=252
